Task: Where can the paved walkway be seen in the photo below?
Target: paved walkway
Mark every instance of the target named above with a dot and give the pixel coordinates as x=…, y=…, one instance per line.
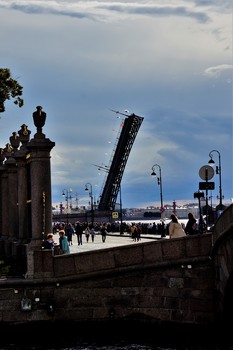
x=111, y=241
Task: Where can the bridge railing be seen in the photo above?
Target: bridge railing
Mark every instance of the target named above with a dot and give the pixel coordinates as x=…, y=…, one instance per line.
x=223, y=223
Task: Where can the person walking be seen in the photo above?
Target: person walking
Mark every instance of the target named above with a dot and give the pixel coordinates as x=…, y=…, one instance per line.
x=63, y=242
x=202, y=224
x=175, y=228
x=92, y=234
x=69, y=233
x=133, y=231
x=87, y=233
x=191, y=226
x=103, y=233
x=79, y=232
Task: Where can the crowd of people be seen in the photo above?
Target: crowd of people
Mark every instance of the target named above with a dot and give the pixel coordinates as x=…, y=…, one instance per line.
x=173, y=229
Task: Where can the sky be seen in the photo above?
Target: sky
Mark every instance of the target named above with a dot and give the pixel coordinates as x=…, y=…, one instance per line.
x=170, y=62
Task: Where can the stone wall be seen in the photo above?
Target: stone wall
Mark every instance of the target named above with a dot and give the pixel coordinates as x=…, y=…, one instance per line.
x=167, y=280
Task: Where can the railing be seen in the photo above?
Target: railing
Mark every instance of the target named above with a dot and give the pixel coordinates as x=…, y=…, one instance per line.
x=223, y=223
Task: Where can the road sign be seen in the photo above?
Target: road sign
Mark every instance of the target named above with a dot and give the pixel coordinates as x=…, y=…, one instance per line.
x=199, y=194
x=206, y=185
x=206, y=172
x=115, y=215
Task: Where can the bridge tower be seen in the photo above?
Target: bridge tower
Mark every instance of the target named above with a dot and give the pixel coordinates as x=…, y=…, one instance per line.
x=131, y=125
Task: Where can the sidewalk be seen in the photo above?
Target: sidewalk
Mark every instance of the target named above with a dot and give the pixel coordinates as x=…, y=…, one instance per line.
x=112, y=240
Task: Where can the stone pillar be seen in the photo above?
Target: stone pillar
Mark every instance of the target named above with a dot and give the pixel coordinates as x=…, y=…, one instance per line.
x=40, y=176
x=3, y=206
x=23, y=228
x=23, y=186
x=12, y=199
x=41, y=202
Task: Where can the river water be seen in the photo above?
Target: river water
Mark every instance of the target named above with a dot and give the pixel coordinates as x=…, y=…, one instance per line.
x=130, y=336
x=117, y=346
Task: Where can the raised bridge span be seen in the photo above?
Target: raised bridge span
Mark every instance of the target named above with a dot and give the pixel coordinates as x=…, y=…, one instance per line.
x=186, y=281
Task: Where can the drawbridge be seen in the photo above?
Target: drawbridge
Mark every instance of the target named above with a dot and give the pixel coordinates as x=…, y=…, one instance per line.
x=111, y=187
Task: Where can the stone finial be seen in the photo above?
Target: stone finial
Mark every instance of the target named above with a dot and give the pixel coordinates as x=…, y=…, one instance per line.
x=24, y=135
x=8, y=150
x=14, y=141
x=2, y=156
x=39, y=118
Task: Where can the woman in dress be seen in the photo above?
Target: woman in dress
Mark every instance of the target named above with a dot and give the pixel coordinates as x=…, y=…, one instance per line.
x=175, y=228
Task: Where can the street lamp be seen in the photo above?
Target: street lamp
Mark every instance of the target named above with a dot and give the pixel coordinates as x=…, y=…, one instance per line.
x=218, y=172
x=91, y=196
x=65, y=194
x=159, y=179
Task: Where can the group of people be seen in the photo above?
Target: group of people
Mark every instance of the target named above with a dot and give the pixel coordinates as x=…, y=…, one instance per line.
x=66, y=232
x=64, y=247
x=90, y=232
x=177, y=229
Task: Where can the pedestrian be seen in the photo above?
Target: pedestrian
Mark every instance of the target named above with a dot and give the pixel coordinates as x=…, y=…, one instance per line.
x=191, y=226
x=69, y=233
x=139, y=231
x=63, y=242
x=92, y=234
x=175, y=228
x=103, y=233
x=87, y=233
x=79, y=232
x=133, y=232
x=202, y=224
x=49, y=243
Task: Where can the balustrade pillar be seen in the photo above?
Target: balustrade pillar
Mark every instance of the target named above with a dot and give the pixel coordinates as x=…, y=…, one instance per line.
x=12, y=204
x=40, y=174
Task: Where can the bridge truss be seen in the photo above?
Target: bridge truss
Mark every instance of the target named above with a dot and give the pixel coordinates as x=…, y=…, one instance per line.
x=131, y=125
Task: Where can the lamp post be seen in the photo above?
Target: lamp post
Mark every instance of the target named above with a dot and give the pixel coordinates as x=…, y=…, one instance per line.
x=65, y=194
x=159, y=179
x=218, y=172
x=88, y=187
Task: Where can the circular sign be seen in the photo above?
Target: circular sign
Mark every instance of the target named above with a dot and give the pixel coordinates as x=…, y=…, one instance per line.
x=206, y=172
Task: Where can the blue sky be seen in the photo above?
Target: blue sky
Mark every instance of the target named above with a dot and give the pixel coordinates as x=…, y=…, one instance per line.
x=168, y=61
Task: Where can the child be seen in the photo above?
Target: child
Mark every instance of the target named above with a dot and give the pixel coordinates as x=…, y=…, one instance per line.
x=64, y=245
x=49, y=243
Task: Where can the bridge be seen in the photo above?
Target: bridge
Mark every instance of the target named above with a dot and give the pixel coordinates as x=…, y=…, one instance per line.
x=183, y=281
x=129, y=131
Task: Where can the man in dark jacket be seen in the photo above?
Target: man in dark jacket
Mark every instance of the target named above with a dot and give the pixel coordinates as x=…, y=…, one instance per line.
x=79, y=232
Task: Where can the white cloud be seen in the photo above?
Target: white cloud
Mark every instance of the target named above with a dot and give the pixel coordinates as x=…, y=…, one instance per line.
x=145, y=56
x=103, y=10
x=216, y=71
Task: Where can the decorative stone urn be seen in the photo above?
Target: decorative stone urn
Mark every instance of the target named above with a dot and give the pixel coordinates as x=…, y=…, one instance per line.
x=14, y=141
x=2, y=156
x=39, y=118
x=24, y=135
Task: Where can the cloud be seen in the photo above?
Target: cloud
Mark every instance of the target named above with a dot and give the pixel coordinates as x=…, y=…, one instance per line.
x=216, y=71
x=102, y=10
x=154, y=10
x=219, y=5
x=149, y=63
